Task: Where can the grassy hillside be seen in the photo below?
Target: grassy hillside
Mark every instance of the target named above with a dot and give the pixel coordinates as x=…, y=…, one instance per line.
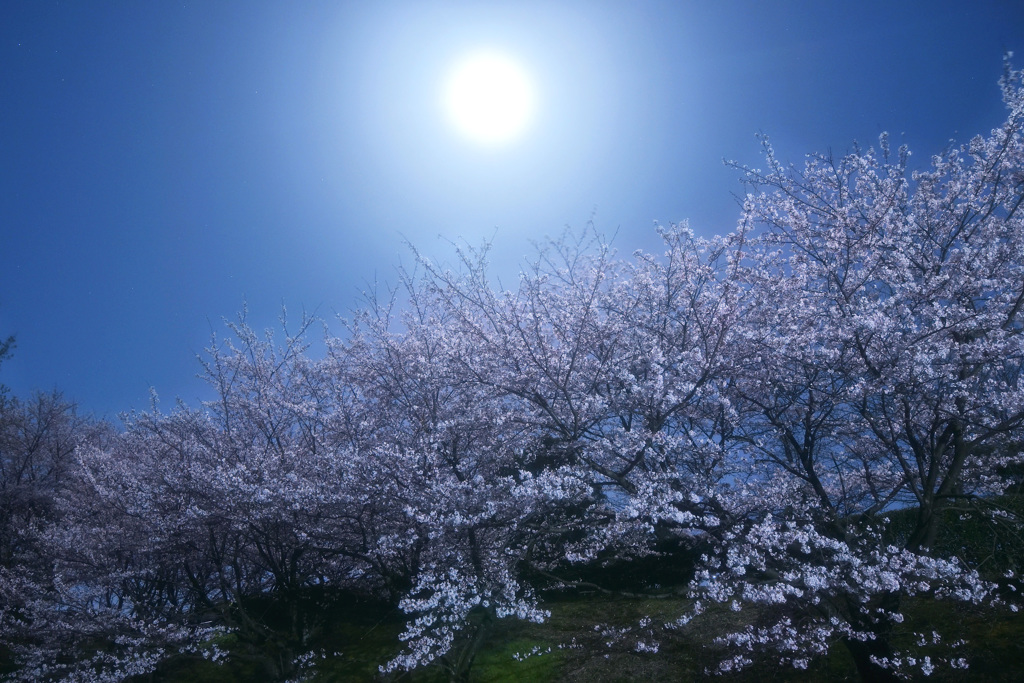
x=358, y=637
x=580, y=643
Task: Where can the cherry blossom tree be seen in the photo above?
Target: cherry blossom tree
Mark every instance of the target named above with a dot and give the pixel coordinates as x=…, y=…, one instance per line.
x=186, y=520
x=38, y=437
x=879, y=368
x=591, y=416
x=61, y=610
x=444, y=450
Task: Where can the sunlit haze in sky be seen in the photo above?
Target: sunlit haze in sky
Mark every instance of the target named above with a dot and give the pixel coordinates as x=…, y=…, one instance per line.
x=163, y=163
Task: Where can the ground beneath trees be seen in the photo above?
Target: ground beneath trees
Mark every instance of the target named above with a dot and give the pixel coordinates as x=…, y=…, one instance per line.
x=359, y=637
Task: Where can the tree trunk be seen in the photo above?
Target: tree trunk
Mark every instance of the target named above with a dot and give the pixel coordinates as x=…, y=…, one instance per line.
x=458, y=669
x=878, y=647
x=862, y=653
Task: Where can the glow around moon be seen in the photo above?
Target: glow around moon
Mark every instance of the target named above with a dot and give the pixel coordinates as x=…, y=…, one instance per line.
x=489, y=99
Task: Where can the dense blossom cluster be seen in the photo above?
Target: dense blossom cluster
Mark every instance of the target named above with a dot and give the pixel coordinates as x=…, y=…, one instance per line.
x=855, y=348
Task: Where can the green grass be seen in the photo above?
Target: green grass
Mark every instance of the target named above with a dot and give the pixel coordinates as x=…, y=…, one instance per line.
x=568, y=648
x=358, y=636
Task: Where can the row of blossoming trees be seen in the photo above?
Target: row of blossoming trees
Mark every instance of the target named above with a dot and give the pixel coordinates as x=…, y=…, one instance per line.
x=770, y=397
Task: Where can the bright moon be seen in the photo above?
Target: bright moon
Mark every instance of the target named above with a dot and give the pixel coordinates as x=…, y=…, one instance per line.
x=489, y=99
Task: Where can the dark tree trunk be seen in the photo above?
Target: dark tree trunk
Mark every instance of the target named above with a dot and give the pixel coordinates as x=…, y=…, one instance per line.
x=460, y=662
x=862, y=653
x=879, y=647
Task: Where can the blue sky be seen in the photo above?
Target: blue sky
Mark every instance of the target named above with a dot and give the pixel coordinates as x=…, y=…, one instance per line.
x=162, y=163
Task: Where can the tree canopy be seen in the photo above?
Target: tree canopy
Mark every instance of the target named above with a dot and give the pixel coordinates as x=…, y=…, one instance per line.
x=771, y=399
